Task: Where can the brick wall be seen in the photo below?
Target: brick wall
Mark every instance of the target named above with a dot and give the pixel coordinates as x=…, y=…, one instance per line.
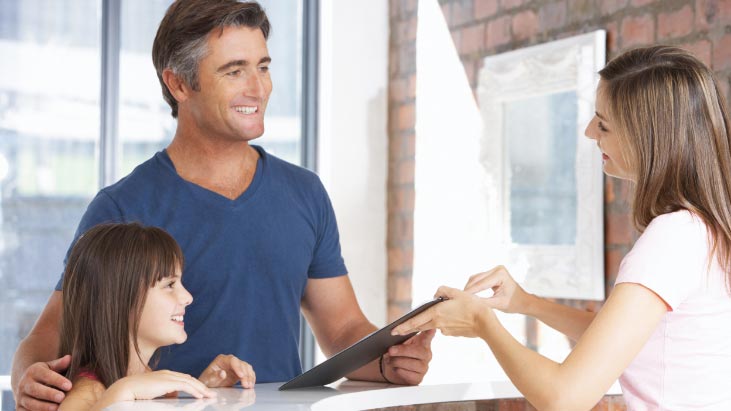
x=482, y=28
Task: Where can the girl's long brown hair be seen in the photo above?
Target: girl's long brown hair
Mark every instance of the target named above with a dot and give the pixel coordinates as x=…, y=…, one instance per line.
x=673, y=124
x=108, y=273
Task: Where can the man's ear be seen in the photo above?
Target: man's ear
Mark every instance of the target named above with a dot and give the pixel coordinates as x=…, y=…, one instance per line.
x=177, y=87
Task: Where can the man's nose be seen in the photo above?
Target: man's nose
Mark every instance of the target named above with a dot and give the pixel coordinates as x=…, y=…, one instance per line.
x=254, y=86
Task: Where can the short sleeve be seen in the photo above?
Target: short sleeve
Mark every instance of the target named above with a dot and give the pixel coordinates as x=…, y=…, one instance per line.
x=327, y=259
x=102, y=209
x=670, y=257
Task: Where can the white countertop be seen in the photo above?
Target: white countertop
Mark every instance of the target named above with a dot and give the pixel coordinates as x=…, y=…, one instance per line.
x=340, y=396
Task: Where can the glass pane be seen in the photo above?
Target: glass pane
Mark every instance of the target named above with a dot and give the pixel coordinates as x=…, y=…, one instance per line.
x=145, y=124
x=49, y=128
x=542, y=153
x=283, y=116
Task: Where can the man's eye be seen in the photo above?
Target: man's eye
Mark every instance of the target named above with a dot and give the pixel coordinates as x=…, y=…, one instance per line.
x=264, y=69
x=233, y=73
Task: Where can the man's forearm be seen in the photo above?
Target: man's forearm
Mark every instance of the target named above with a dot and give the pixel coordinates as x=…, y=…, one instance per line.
x=370, y=371
x=33, y=348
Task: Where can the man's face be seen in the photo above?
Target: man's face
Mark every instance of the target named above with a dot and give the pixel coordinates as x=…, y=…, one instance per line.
x=234, y=85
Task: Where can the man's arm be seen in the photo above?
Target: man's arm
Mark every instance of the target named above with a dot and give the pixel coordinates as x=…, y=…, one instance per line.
x=35, y=380
x=406, y=363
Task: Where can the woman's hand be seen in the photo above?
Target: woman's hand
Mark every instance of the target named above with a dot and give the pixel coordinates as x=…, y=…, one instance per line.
x=155, y=384
x=227, y=370
x=508, y=296
x=461, y=314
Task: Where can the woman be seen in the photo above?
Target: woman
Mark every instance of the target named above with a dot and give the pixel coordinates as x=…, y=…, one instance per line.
x=662, y=123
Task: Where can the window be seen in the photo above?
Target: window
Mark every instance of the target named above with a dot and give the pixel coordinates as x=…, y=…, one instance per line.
x=51, y=113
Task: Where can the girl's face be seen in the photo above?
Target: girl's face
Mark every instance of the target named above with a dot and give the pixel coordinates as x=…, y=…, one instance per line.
x=601, y=129
x=161, y=322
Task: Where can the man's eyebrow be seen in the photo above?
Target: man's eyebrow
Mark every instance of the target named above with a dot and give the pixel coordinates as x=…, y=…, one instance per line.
x=236, y=63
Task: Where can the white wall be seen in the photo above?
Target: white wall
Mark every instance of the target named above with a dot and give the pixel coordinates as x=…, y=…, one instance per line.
x=353, y=139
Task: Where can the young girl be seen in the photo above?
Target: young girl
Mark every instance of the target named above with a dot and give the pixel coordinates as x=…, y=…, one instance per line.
x=123, y=299
x=662, y=123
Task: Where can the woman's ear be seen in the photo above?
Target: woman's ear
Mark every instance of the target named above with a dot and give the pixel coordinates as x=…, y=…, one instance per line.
x=177, y=87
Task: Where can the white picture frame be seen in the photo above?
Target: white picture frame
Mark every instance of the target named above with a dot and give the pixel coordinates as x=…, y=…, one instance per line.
x=566, y=67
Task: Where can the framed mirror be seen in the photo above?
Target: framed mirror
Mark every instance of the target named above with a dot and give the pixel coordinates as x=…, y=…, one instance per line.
x=543, y=177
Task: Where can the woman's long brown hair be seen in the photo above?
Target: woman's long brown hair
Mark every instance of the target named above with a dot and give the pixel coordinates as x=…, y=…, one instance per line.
x=108, y=273
x=673, y=124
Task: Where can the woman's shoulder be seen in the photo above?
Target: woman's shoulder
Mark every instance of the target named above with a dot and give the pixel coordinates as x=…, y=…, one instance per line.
x=677, y=225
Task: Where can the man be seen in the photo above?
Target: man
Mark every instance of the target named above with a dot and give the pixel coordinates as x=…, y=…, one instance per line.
x=258, y=234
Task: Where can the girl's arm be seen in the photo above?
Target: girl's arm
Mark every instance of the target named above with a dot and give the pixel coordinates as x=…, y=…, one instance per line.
x=614, y=338
x=151, y=385
x=82, y=397
x=511, y=298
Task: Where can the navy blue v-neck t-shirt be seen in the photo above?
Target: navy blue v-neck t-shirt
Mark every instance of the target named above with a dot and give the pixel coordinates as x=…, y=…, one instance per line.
x=247, y=260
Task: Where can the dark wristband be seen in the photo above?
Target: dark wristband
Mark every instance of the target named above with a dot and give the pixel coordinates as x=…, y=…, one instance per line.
x=380, y=366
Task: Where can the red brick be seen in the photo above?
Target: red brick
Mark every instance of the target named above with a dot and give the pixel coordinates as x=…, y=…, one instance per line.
x=581, y=11
x=701, y=49
x=552, y=16
x=472, y=39
x=498, y=32
x=612, y=260
x=609, y=7
x=511, y=4
x=722, y=53
x=394, y=9
x=447, y=12
x=462, y=12
x=470, y=72
x=411, y=90
x=525, y=25
x=706, y=11
x=401, y=259
x=400, y=230
x=404, y=172
x=397, y=90
x=637, y=31
x=401, y=145
x=618, y=228
x=401, y=199
x=409, y=7
x=612, y=37
x=400, y=287
x=485, y=8
x=456, y=38
x=609, y=196
x=393, y=66
x=406, y=117
x=675, y=23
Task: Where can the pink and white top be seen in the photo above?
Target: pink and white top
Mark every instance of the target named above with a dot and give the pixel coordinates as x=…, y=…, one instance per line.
x=686, y=364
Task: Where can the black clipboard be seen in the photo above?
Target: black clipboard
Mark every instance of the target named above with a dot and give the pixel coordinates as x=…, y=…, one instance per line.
x=357, y=355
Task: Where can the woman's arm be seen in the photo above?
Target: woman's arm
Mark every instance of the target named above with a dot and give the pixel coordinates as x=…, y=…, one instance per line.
x=614, y=338
x=508, y=296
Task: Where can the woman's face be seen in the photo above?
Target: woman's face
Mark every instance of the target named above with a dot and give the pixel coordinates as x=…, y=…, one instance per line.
x=602, y=130
x=161, y=322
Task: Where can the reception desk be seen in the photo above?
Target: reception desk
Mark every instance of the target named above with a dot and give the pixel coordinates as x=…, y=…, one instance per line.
x=347, y=395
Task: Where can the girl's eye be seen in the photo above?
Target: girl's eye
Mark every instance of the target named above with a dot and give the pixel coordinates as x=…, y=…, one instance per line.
x=170, y=284
x=601, y=127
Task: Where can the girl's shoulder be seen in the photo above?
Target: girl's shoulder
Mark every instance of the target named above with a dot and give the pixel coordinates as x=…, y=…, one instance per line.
x=86, y=391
